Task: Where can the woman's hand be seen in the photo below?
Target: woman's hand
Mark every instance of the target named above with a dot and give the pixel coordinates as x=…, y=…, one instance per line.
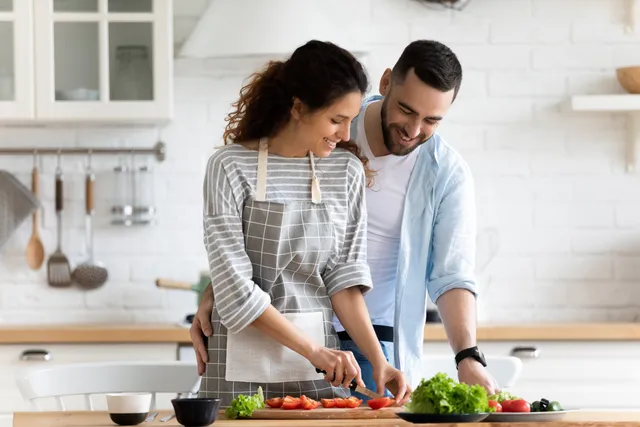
x=342, y=364
x=386, y=376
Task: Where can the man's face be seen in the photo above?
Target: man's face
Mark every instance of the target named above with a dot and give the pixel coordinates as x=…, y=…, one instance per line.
x=411, y=112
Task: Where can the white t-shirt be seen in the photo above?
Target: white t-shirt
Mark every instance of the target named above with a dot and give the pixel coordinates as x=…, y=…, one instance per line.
x=385, y=205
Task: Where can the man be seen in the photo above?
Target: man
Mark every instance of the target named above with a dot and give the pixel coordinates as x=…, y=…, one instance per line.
x=421, y=220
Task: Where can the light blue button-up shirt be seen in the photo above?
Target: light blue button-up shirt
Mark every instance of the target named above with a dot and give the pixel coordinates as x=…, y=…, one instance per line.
x=437, y=243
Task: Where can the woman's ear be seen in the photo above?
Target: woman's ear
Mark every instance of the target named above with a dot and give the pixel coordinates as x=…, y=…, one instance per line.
x=297, y=110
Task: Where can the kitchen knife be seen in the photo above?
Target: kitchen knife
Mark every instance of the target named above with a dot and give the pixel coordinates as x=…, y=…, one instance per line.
x=355, y=387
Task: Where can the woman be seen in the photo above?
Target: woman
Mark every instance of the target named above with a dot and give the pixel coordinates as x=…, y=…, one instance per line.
x=285, y=233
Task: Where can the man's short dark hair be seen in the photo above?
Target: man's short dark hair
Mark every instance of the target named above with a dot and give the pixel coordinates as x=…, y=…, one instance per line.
x=433, y=62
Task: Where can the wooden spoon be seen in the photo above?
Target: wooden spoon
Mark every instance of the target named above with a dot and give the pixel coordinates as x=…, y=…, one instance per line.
x=35, y=249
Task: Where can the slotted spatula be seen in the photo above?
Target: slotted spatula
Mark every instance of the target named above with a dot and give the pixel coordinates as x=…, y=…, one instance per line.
x=58, y=269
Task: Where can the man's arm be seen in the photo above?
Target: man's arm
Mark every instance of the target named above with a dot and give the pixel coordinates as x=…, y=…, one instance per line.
x=457, y=309
x=451, y=279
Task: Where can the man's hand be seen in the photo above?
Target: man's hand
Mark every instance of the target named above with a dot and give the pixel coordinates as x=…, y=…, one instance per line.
x=471, y=372
x=202, y=326
x=387, y=376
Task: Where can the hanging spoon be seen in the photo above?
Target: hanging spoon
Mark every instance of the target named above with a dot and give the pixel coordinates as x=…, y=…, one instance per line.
x=35, y=248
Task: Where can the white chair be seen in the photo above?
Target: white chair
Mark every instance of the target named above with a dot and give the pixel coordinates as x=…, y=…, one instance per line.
x=89, y=379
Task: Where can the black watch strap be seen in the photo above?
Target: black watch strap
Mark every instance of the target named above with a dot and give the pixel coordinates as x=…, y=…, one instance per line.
x=473, y=352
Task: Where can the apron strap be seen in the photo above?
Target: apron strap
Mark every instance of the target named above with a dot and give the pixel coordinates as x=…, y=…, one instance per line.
x=261, y=190
x=316, y=195
x=261, y=185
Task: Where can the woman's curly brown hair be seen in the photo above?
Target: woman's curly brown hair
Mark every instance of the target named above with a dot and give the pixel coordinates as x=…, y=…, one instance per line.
x=318, y=73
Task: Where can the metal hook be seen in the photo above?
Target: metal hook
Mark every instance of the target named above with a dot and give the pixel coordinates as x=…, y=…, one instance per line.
x=35, y=157
x=89, y=152
x=59, y=157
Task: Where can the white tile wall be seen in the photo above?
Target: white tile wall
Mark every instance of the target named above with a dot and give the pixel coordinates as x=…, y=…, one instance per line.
x=552, y=183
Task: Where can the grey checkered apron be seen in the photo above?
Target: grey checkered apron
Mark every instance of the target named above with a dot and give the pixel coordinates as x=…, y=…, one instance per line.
x=289, y=246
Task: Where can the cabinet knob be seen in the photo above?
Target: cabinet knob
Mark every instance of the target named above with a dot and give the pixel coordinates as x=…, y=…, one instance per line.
x=39, y=355
x=525, y=352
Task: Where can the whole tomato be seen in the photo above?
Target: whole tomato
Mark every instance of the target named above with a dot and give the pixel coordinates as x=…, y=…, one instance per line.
x=518, y=405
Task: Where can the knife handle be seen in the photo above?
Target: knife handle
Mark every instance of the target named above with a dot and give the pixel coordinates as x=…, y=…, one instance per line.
x=352, y=386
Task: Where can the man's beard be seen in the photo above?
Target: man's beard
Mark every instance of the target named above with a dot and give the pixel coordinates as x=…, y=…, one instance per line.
x=395, y=149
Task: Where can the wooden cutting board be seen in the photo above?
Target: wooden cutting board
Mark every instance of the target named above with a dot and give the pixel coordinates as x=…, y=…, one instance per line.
x=326, y=413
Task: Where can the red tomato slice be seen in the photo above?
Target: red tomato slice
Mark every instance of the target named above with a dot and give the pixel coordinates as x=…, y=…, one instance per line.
x=275, y=402
x=380, y=402
x=340, y=402
x=290, y=403
x=353, y=402
x=328, y=403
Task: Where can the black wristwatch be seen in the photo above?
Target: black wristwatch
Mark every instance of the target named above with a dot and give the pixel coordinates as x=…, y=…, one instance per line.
x=471, y=352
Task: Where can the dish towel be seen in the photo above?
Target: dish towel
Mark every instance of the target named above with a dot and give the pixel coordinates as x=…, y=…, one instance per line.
x=17, y=202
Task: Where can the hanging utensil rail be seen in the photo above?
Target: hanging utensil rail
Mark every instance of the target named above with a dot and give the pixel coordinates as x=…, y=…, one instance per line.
x=158, y=150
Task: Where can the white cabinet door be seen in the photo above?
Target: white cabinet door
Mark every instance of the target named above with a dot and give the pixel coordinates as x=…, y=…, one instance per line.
x=104, y=60
x=16, y=60
x=579, y=374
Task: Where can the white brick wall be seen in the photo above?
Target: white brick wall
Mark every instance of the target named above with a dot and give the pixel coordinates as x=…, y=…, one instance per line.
x=551, y=182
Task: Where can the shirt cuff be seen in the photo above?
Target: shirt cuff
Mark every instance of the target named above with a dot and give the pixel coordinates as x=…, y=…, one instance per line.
x=348, y=275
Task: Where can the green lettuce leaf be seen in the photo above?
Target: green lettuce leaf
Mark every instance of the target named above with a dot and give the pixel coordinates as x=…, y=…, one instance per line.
x=442, y=395
x=243, y=405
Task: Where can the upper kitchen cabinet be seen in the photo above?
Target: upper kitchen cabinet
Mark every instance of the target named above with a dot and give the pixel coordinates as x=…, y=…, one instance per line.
x=93, y=60
x=16, y=60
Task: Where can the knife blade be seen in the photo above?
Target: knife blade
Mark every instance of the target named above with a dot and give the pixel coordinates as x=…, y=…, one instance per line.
x=355, y=387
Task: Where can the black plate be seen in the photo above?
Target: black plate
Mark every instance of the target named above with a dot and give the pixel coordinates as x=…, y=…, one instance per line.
x=441, y=418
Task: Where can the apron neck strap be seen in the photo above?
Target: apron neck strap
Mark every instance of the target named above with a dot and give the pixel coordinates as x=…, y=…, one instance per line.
x=261, y=190
x=261, y=185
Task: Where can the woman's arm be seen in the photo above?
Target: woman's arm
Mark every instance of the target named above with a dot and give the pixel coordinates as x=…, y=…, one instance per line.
x=346, y=282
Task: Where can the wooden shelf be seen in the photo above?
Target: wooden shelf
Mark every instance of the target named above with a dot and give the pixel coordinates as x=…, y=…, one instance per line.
x=613, y=103
x=627, y=104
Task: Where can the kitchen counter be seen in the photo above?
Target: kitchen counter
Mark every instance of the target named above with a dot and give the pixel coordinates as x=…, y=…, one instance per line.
x=173, y=333
x=94, y=333
x=546, y=332
x=101, y=419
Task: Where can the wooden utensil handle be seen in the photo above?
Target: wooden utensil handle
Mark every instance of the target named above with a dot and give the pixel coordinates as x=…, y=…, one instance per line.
x=173, y=284
x=34, y=182
x=89, y=195
x=59, y=193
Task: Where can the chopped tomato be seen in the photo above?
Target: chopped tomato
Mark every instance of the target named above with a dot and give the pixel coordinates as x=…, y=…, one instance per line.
x=307, y=403
x=291, y=402
x=340, y=402
x=328, y=403
x=353, y=402
x=495, y=404
x=381, y=402
x=276, y=402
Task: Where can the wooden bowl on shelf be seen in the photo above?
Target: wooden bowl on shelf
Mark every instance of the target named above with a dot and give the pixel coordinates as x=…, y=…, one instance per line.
x=629, y=78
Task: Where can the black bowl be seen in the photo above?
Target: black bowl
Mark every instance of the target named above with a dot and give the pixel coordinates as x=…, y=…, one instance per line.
x=196, y=412
x=128, y=419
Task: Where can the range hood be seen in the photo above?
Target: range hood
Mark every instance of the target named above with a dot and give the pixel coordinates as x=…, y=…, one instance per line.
x=271, y=28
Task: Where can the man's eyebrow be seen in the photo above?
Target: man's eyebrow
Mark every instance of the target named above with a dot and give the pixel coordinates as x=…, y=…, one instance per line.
x=406, y=107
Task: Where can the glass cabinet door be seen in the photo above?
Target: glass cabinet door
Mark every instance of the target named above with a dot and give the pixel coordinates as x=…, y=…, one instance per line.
x=109, y=59
x=16, y=55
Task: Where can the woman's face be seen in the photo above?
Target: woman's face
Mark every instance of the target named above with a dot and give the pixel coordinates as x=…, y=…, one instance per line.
x=321, y=130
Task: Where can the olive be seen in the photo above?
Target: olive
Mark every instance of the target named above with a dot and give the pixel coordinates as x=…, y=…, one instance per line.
x=535, y=406
x=555, y=406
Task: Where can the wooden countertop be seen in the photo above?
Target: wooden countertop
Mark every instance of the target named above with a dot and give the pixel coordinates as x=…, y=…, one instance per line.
x=173, y=333
x=546, y=332
x=94, y=333
x=101, y=419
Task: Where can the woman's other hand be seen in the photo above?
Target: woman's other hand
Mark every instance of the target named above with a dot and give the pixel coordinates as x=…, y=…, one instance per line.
x=386, y=376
